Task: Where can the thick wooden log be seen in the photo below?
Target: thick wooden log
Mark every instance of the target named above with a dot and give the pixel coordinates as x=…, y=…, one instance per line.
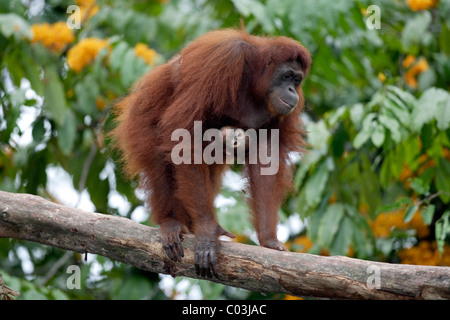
x=32, y=218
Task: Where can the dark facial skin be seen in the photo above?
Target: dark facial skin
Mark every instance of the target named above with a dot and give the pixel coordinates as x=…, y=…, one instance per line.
x=283, y=95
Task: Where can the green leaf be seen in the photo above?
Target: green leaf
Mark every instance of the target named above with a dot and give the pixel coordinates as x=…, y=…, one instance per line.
x=444, y=39
x=392, y=125
x=427, y=177
x=426, y=107
x=86, y=92
x=395, y=206
x=318, y=134
x=59, y=295
x=415, y=30
x=136, y=287
x=369, y=185
x=443, y=179
x=34, y=171
x=11, y=23
x=386, y=172
x=343, y=237
x=408, y=99
x=248, y=7
x=442, y=227
x=408, y=153
x=140, y=67
x=336, y=116
x=360, y=139
x=67, y=133
x=357, y=114
x=12, y=61
x=428, y=213
x=127, y=68
x=97, y=187
x=363, y=247
x=426, y=79
x=378, y=136
x=55, y=98
x=18, y=97
x=368, y=127
x=38, y=130
x=399, y=111
x=117, y=55
x=427, y=136
x=410, y=211
x=232, y=217
x=339, y=140
x=32, y=73
x=33, y=294
x=300, y=174
x=315, y=185
x=314, y=221
x=419, y=185
x=329, y=224
x=443, y=114
x=368, y=122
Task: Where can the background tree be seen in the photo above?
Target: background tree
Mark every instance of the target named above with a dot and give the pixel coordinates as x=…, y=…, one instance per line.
x=375, y=183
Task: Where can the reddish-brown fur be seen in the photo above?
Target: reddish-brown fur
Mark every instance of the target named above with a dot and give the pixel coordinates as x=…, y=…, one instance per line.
x=222, y=79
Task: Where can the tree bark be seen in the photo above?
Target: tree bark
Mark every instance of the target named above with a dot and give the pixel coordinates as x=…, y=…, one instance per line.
x=32, y=218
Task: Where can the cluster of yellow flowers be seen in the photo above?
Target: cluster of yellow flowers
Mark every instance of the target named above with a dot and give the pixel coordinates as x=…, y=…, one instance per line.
x=301, y=244
x=55, y=36
x=416, y=5
x=88, y=8
x=84, y=52
x=426, y=253
x=388, y=221
x=143, y=51
x=415, y=68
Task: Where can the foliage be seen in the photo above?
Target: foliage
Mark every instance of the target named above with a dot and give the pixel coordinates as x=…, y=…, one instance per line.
x=375, y=183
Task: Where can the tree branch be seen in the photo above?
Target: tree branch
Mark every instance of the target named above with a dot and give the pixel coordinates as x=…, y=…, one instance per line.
x=32, y=218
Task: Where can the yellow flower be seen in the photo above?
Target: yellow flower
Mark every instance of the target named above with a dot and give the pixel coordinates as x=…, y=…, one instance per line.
x=416, y=5
x=446, y=153
x=421, y=65
x=144, y=52
x=417, y=224
x=100, y=103
x=415, y=68
x=302, y=244
x=84, y=52
x=388, y=221
x=381, y=77
x=88, y=8
x=405, y=174
x=55, y=36
x=241, y=238
x=289, y=297
x=385, y=222
x=409, y=60
x=425, y=253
